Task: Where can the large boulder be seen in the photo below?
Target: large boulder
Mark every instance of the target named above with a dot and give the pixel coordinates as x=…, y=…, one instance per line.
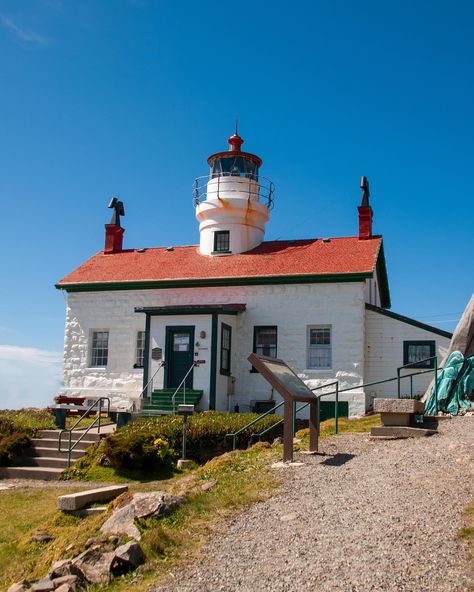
x=95, y=563
x=142, y=505
x=130, y=554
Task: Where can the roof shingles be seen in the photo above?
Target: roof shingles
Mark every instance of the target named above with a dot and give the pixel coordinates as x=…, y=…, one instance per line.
x=347, y=255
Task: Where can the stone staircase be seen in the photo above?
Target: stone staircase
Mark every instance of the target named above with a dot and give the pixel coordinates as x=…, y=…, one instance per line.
x=42, y=460
x=162, y=402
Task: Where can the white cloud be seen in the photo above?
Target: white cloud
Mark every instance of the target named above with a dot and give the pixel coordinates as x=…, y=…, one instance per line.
x=22, y=34
x=29, y=377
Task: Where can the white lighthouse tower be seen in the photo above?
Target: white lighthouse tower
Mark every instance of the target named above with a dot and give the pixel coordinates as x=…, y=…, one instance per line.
x=232, y=202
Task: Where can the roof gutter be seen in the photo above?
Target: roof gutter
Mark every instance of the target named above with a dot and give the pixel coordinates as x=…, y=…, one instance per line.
x=214, y=282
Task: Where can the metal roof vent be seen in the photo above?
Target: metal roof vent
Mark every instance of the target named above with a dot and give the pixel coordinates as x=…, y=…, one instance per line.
x=326, y=240
x=170, y=248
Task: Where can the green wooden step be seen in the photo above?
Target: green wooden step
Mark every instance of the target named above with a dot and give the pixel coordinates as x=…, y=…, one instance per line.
x=165, y=397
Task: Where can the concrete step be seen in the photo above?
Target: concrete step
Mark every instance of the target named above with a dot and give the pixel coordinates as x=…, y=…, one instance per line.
x=80, y=499
x=53, y=443
x=43, y=461
x=38, y=451
x=75, y=434
x=47, y=474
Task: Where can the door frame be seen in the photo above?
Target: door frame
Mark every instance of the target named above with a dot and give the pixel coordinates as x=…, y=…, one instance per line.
x=170, y=329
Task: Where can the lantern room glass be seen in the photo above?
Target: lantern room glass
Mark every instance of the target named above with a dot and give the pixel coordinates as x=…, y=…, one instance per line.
x=234, y=166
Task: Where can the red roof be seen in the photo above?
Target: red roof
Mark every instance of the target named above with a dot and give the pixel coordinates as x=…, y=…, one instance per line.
x=347, y=255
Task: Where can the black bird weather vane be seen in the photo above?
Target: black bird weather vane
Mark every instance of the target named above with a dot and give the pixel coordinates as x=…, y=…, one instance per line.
x=119, y=210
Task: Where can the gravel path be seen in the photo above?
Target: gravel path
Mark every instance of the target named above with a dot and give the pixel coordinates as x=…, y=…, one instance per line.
x=8, y=484
x=370, y=516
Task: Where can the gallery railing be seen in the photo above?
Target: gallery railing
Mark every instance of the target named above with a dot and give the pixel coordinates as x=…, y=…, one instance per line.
x=258, y=188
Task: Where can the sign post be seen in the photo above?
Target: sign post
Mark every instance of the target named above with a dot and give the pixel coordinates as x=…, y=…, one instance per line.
x=185, y=411
x=282, y=378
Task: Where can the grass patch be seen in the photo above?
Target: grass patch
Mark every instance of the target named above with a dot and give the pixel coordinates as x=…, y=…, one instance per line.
x=28, y=420
x=327, y=428
x=28, y=512
x=242, y=478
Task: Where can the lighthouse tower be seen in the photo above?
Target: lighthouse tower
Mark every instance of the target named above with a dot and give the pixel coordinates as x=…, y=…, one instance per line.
x=232, y=202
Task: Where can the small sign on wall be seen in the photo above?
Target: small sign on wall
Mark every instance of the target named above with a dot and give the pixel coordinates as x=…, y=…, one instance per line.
x=157, y=353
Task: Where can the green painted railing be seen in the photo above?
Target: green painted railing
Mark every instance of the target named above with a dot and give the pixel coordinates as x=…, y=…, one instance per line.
x=235, y=435
x=71, y=446
x=296, y=410
x=336, y=392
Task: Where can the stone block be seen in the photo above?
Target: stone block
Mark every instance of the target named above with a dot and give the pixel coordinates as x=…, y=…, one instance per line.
x=396, y=432
x=76, y=501
x=399, y=406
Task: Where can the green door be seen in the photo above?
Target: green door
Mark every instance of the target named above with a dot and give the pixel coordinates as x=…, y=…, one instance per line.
x=179, y=355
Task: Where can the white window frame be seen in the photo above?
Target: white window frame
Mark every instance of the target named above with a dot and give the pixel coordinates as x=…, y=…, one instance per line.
x=140, y=351
x=327, y=347
x=91, y=356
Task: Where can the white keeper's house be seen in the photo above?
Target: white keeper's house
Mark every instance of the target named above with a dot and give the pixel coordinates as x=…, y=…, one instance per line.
x=138, y=319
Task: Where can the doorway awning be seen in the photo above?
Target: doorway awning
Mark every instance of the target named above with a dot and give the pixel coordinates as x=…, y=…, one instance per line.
x=190, y=309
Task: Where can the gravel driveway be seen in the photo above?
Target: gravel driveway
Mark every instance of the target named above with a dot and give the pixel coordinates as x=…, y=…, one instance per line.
x=369, y=516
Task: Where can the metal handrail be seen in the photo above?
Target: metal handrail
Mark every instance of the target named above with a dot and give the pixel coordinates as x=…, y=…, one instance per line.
x=182, y=384
x=87, y=430
x=238, y=432
x=145, y=388
x=336, y=392
x=434, y=370
x=336, y=403
x=398, y=378
x=274, y=425
x=263, y=192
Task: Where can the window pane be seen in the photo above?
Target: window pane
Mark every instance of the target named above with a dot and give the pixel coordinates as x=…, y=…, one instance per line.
x=100, y=348
x=226, y=340
x=266, y=341
x=226, y=164
x=416, y=353
x=181, y=342
x=319, y=348
x=221, y=240
x=140, y=349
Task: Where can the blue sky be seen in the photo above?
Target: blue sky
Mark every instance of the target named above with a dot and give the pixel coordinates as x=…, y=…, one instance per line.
x=129, y=98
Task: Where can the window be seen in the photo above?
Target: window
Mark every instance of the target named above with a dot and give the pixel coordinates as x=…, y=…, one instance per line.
x=139, y=350
x=226, y=338
x=415, y=351
x=319, y=347
x=100, y=348
x=265, y=342
x=221, y=241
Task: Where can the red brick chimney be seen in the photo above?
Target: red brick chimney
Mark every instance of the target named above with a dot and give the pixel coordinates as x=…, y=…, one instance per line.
x=113, y=238
x=113, y=231
x=365, y=211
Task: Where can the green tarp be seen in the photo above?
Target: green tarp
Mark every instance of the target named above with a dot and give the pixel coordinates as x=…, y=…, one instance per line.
x=455, y=384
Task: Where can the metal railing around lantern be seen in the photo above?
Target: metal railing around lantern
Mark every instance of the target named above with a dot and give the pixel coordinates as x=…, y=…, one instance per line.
x=256, y=187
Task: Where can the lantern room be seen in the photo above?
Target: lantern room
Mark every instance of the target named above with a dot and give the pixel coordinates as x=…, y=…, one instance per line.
x=232, y=202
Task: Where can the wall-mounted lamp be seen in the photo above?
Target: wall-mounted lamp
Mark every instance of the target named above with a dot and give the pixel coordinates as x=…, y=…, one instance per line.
x=202, y=335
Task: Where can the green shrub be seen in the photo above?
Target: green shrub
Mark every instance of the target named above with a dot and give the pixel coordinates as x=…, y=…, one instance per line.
x=17, y=428
x=135, y=444
x=11, y=446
